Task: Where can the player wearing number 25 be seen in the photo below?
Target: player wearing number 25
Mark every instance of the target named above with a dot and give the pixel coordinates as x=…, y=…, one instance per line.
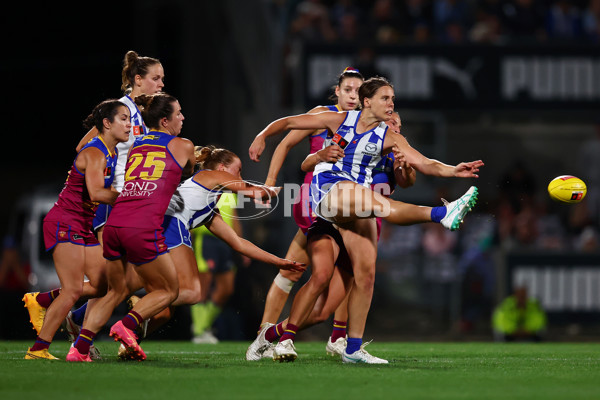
x=133, y=232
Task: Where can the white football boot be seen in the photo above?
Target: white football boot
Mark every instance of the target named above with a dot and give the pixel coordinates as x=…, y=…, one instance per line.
x=362, y=356
x=336, y=348
x=456, y=210
x=285, y=351
x=260, y=345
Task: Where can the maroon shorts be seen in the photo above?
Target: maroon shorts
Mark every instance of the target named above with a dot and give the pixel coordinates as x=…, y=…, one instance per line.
x=57, y=232
x=137, y=245
x=302, y=211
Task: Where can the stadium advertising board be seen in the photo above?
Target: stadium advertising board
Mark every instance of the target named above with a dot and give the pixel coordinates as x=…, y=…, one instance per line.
x=567, y=286
x=469, y=77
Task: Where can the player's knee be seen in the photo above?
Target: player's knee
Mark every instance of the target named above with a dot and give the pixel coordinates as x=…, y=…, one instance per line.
x=72, y=293
x=293, y=276
x=365, y=278
x=320, y=281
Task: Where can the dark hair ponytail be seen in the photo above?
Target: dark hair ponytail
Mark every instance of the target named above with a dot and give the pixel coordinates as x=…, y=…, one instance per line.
x=155, y=107
x=349, y=72
x=107, y=109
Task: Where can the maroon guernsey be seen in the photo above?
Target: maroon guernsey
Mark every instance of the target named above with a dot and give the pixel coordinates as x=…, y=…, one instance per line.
x=151, y=177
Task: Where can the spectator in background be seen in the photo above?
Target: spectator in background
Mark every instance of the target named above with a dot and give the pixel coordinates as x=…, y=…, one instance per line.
x=451, y=19
x=589, y=171
x=348, y=29
x=13, y=282
x=563, y=22
x=588, y=241
x=384, y=22
x=524, y=20
x=13, y=273
x=418, y=16
x=345, y=18
x=487, y=27
x=590, y=21
x=312, y=23
x=519, y=317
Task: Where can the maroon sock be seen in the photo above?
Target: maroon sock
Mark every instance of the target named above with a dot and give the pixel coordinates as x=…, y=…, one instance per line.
x=40, y=344
x=289, y=333
x=274, y=332
x=339, y=330
x=132, y=320
x=45, y=299
x=84, y=341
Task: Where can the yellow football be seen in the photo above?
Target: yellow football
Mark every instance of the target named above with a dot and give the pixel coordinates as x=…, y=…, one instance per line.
x=567, y=189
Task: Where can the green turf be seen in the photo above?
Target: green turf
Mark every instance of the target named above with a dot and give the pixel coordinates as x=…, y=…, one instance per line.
x=180, y=370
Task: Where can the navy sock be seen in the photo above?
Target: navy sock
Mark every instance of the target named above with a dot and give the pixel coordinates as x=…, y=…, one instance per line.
x=79, y=314
x=353, y=345
x=437, y=213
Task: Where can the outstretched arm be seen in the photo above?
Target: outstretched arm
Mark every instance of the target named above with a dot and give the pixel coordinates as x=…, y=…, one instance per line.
x=281, y=152
x=243, y=246
x=325, y=120
x=218, y=180
x=429, y=166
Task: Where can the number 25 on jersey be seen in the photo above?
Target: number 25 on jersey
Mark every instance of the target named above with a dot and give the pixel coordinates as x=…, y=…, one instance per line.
x=152, y=168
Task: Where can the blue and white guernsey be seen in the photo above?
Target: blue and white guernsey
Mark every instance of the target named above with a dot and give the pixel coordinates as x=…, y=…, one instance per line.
x=137, y=129
x=362, y=152
x=192, y=205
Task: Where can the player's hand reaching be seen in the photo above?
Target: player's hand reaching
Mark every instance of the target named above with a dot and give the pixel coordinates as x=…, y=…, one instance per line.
x=256, y=148
x=468, y=169
x=291, y=265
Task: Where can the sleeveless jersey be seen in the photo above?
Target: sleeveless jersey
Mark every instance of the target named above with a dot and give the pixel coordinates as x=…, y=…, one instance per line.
x=362, y=152
x=316, y=144
x=193, y=204
x=151, y=177
x=74, y=205
x=137, y=129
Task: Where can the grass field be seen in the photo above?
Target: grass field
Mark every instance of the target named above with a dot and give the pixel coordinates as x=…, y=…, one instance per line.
x=181, y=370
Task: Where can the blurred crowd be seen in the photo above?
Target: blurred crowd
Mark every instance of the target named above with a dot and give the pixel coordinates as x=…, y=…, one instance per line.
x=520, y=219
x=392, y=22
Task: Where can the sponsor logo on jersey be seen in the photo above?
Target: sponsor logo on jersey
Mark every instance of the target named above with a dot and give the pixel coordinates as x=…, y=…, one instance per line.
x=138, y=189
x=371, y=147
x=77, y=237
x=107, y=172
x=150, y=137
x=340, y=141
x=137, y=130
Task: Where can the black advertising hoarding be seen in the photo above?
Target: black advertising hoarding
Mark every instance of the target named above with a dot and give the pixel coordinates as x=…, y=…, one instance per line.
x=468, y=77
x=567, y=285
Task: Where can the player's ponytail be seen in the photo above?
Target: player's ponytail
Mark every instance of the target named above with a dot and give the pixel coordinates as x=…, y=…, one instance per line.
x=133, y=65
x=209, y=157
x=155, y=107
x=107, y=109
